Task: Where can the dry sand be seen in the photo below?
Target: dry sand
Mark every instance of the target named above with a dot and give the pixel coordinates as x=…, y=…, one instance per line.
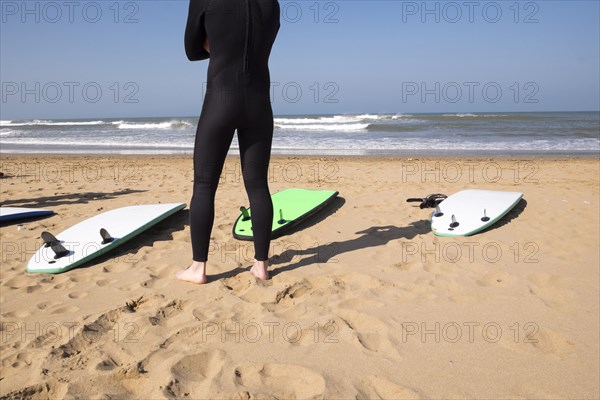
x=365, y=302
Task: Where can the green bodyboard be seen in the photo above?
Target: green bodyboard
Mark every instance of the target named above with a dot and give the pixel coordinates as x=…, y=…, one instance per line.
x=290, y=208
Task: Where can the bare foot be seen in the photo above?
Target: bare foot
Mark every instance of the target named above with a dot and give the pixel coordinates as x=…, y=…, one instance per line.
x=259, y=270
x=196, y=273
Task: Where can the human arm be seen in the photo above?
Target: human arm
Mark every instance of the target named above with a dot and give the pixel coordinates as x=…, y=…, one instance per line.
x=196, y=41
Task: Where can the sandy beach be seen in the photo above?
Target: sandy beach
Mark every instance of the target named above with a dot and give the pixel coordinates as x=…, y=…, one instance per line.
x=364, y=301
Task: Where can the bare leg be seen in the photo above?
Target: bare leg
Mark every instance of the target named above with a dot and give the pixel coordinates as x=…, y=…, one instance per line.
x=196, y=273
x=259, y=270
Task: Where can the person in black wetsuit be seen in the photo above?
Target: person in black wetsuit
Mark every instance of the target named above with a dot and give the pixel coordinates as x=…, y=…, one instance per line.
x=237, y=36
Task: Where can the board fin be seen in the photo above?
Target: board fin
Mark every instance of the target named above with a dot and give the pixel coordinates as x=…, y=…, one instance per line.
x=281, y=219
x=485, y=218
x=438, y=212
x=59, y=250
x=49, y=239
x=106, y=238
x=245, y=213
x=454, y=223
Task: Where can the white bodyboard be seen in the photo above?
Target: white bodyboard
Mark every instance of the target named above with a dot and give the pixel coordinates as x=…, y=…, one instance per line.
x=473, y=211
x=84, y=242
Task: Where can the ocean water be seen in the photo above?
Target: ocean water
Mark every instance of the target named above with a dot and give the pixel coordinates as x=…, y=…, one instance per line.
x=352, y=134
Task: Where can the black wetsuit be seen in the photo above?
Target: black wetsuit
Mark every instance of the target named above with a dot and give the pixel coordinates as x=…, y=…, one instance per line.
x=241, y=34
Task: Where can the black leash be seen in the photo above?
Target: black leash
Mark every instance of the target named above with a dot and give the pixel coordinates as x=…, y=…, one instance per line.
x=430, y=201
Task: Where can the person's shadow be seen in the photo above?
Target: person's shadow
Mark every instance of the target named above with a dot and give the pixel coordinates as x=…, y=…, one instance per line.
x=374, y=236
x=371, y=237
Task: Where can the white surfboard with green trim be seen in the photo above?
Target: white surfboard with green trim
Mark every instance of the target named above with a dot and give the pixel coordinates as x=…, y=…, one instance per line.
x=95, y=236
x=470, y=211
x=290, y=208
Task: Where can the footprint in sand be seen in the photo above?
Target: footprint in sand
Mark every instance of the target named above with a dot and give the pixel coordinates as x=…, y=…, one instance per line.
x=47, y=304
x=48, y=279
x=279, y=381
x=106, y=365
x=105, y=282
x=92, y=334
x=17, y=282
x=164, y=271
x=61, y=281
x=194, y=369
x=33, y=288
x=200, y=366
x=65, y=285
x=163, y=314
x=291, y=294
x=46, y=390
x=65, y=310
x=116, y=267
x=50, y=334
x=379, y=388
x=274, y=297
x=238, y=284
x=551, y=290
x=198, y=313
x=370, y=332
x=25, y=357
x=406, y=266
x=17, y=314
x=324, y=286
x=323, y=331
x=549, y=342
x=77, y=295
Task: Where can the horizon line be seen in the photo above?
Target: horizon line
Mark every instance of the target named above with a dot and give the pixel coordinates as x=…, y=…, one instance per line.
x=317, y=114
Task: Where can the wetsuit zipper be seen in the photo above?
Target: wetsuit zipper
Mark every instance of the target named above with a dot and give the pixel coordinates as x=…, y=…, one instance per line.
x=248, y=34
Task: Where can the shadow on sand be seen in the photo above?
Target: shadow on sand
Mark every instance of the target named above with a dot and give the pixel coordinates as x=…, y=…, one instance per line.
x=371, y=237
x=65, y=199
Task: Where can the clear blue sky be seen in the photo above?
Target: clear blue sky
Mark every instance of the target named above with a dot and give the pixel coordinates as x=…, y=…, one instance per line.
x=363, y=56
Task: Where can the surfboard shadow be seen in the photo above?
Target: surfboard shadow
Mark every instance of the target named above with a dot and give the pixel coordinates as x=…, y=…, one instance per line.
x=374, y=236
x=317, y=218
x=506, y=219
x=66, y=199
